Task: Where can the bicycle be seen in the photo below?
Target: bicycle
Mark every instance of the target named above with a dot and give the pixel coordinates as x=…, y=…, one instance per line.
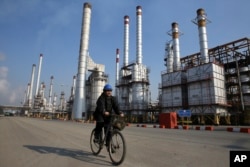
x=116, y=146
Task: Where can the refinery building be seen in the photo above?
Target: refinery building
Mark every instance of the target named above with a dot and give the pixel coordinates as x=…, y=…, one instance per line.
x=214, y=84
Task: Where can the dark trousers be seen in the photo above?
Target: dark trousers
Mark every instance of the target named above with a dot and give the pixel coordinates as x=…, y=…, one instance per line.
x=98, y=130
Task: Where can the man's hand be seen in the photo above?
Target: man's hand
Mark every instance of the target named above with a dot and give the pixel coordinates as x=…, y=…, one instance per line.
x=106, y=113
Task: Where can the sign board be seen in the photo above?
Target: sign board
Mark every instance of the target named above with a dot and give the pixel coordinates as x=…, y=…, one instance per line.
x=184, y=113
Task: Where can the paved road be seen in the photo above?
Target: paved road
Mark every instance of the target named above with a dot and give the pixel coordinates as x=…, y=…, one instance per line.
x=33, y=142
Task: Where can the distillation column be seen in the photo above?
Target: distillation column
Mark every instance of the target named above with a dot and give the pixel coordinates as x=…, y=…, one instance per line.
x=139, y=71
x=50, y=94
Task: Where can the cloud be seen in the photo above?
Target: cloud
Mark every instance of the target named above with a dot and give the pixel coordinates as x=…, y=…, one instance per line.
x=3, y=72
x=8, y=96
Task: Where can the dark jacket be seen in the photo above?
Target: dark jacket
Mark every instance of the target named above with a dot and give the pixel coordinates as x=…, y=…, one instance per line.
x=103, y=104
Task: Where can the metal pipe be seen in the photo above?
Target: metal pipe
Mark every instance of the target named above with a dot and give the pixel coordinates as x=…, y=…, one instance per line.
x=176, y=47
x=79, y=105
x=139, y=35
x=126, y=40
x=39, y=73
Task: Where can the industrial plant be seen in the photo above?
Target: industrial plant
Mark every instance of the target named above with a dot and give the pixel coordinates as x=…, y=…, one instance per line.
x=214, y=84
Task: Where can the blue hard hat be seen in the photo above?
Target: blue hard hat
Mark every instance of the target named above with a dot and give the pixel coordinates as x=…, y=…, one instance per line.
x=107, y=87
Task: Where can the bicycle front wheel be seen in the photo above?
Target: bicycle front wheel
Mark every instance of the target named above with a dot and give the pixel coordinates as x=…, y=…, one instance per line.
x=95, y=146
x=117, y=148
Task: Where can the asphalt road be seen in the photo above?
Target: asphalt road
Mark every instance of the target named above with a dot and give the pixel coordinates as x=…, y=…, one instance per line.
x=32, y=142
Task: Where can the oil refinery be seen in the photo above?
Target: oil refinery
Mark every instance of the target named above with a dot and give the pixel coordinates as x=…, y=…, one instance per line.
x=213, y=83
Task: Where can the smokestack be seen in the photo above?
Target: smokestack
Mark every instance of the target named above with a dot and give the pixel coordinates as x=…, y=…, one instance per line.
x=39, y=73
x=79, y=105
x=139, y=35
x=201, y=21
x=126, y=40
x=176, y=47
x=50, y=90
x=117, y=71
x=31, y=85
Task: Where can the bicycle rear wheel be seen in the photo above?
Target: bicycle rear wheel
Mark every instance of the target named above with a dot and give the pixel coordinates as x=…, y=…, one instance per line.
x=95, y=146
x=117, y=148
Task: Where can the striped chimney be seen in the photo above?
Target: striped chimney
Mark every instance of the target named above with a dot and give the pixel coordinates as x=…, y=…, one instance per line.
x=126, y=40
x=139, y=35
x=201, y=21
x=176, y=47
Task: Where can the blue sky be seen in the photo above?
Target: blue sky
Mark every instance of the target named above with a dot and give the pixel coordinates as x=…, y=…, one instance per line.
x=52, y=27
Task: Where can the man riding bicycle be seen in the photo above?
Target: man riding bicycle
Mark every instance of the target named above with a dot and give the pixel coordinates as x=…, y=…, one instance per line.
x=105, y=104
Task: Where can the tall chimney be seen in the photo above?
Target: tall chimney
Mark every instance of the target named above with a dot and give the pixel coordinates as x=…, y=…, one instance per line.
x=79, y=105
x=50, y=90
x=139, y=35
x=126, y=40
x=117, y=71
x=31, y=85
x=38, y=74
x=176, y=47
x=201, y=21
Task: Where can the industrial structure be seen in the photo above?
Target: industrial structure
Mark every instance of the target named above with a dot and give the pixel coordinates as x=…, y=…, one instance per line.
x=133, y=80
x=213, y=83
x=87, y=90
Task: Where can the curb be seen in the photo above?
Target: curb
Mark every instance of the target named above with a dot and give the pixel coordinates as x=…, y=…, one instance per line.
x=184, y=127
x=242, y=130
x=159, y=126
x=210, y=128
x=143, y=125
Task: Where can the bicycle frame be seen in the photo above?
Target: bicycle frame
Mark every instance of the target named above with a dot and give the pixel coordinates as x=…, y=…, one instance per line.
x=116, y=146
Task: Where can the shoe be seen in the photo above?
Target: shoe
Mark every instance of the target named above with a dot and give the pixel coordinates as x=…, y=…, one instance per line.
x=96, y=140
x=112, y=149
